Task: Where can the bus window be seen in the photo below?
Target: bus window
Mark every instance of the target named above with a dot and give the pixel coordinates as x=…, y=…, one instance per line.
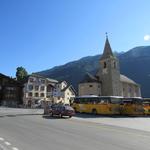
x=82, y=101
x=104, y=101
x=76, y=100
x=115, y=100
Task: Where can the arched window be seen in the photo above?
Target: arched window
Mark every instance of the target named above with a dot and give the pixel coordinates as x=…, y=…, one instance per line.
x=105, y=65
x=114, y=64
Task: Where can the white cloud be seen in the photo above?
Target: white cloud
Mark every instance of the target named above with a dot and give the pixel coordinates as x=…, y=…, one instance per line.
x=147, y=37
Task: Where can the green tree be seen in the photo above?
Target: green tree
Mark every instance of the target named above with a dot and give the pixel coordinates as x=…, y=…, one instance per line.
x=21, y=74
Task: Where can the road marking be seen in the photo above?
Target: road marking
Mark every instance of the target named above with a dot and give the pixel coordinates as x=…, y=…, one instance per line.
x=7, y=143
x=1, y=139
x=2, y=147
x=15, y=148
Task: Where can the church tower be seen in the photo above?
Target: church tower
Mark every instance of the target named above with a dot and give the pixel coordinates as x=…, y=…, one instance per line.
x=109, y=72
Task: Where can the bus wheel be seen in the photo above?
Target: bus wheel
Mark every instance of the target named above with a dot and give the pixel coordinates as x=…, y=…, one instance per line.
x=75, y=109
x=94, y=112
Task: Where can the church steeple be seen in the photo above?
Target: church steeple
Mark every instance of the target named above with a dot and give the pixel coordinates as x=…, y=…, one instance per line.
x=109, y=72
x=107, y=53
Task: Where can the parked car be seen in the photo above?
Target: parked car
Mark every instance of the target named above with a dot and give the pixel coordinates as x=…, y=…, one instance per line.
x=61, y=110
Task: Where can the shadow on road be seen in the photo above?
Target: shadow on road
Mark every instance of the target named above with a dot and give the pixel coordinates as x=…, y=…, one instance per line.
x=85, y=115
x=88, y=116
x=54, y=117
x=78, y=115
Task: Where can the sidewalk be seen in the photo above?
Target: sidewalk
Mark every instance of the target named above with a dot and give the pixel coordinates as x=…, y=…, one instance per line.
x=140, y=123
x=19, y=111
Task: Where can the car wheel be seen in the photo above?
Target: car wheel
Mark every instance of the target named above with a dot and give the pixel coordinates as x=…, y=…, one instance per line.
x=94, y=112
x=75, y=109
x=60, y=115
x=50, y=114
x=70, y=116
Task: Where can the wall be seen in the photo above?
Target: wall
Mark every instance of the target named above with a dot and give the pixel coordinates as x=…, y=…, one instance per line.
x=130, y=90
x=91, y=88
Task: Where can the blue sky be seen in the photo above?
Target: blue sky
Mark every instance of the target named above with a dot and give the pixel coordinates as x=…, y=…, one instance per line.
x=41, y=34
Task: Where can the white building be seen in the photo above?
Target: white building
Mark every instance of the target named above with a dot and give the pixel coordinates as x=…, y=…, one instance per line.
x=63, y=93
x=41, y=88
x=37, y=88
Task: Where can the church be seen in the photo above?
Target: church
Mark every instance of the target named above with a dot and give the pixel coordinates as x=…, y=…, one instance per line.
x=108, y=81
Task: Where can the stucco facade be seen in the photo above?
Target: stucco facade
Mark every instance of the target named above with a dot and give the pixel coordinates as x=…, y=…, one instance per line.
x=37, y=88
x=130, y=89
x=92, y=88
x=63, y=93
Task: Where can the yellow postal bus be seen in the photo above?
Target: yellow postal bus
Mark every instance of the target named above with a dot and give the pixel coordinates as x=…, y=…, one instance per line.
x=132, y=106
x=146, y=106
x=104, y=105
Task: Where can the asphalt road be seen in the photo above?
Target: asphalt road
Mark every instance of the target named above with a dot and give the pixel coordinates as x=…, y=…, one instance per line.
x=22, y=130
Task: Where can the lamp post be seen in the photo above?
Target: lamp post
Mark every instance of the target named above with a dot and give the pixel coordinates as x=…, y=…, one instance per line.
x=46, y=107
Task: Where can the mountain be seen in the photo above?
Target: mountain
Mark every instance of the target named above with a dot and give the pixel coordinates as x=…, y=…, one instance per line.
x=134, y=63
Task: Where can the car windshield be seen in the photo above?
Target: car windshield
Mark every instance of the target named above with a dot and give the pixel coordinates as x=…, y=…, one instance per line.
x=68, y=108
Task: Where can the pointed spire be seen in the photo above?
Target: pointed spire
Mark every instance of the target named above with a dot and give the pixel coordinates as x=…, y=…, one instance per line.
x=106, y=35
x=107, y=53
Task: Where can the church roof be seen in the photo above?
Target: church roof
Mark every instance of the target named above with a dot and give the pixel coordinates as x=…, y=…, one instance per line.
x=89, y=78
x=107, y=53
x=123, y=78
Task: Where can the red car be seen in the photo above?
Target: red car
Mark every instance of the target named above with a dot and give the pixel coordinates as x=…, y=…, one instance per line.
x=62, y=110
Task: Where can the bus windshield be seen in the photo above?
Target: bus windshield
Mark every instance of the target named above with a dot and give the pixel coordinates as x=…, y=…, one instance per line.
x=132, y=100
